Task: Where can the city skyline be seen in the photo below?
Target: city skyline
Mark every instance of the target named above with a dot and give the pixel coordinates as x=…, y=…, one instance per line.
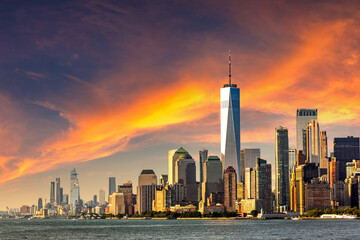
x=59, y=82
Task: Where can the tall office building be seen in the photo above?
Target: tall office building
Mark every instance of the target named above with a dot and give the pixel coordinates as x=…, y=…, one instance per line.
x=40, y=204
x=313, y=142
x=102, y=196
x=164, y=180
x=66, y=199
x=52, y=192
x=345, y=150
x=212, y=177
x=303, y=116
x=147, y=184
x=248, y=158
x=61, y=195
x=57, y=192
x=191, y=187
x=203, y=154
x=230, y=125
x=173, y=155
x=281, y=167
x=74, y=189
x=112, y=185
x=230, y=191
x=292, y=161
x=180, y=166
x=247, y=180
x=263, y=184
x=95, y=202
x=323, y=153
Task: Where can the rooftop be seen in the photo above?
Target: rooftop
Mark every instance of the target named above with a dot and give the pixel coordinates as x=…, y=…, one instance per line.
x=147, y=171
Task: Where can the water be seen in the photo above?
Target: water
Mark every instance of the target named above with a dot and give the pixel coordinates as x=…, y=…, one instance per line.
x=179, y=229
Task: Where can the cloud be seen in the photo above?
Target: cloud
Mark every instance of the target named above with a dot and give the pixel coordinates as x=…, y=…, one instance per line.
x=140, y=83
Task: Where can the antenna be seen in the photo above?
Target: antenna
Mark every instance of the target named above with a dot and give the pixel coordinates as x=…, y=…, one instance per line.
x=229, y=68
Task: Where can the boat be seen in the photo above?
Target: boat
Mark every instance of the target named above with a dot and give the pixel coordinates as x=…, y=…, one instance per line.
x=295, y=218
x=335, y=216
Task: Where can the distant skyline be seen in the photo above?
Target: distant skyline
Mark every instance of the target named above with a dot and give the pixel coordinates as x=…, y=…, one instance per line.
x=109, y=87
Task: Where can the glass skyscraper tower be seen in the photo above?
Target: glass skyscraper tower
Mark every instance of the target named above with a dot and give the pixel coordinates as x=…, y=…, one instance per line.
x=74, y=189
x=230, y=125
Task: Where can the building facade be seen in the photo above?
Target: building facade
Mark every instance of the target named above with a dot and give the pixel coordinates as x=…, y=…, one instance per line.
x=230, y=125
x=230, y=189
x=345, y=150
x=248, y=158
x=303, y=116
x=282, y=197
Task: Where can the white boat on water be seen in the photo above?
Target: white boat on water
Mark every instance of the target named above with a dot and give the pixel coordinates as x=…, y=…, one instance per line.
x=295, y=218
x=335, y=216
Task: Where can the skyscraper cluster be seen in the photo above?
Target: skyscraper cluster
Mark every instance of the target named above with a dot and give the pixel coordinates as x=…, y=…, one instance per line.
x=306, y=176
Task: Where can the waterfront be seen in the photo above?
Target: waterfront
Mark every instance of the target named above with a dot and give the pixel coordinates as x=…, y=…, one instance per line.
x=178, y=229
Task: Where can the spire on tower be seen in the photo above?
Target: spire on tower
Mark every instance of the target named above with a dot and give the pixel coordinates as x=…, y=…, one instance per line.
x=229, y=68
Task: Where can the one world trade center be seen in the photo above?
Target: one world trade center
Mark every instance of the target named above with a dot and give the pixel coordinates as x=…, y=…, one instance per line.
x=230, y=125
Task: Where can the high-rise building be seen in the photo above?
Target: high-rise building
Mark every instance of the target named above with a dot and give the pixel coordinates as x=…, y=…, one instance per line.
x=247, y=181
x=173, y=155
x=230, y=191
x=95, y=202
x=57, y=192
x=212, y=177
x=180, y=167
x=230, y=125
x=323, y=153
x=191, y=187
x=292, y=161
x=125, y=187
x=203, y=155
x=102, y=196
x=52, y=192
x=40, y=204
x=333, y=171
x=112, y=185
x=313, y=142
x=263, y=184
x=147, y=184
x=282, y=197
x=66, y=199
x=248, y=158
x=74, y=189
x=345, y=150
x=304, y=174
x=61, y=195
x=164, y=180
x=303, y=116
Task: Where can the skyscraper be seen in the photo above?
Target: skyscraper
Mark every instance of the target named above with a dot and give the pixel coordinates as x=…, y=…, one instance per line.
x=203, y=154
x=112, y=185
x=263, y=184
x=230, y=191
x=212, y=177
x=323, y=153
x=230, y=125
x=303, y=116
x=292, y=161
x=281, y=167
x=102, y=196
x=173, y=155
x=74, y=189
x=313, y=142
x=345, y=150
x=57, y=192
x=52, y=192
x=40, y=204
x=147, y=184
x=248, y=158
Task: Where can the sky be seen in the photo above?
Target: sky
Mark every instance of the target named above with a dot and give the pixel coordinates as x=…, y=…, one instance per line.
x=108, y=87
